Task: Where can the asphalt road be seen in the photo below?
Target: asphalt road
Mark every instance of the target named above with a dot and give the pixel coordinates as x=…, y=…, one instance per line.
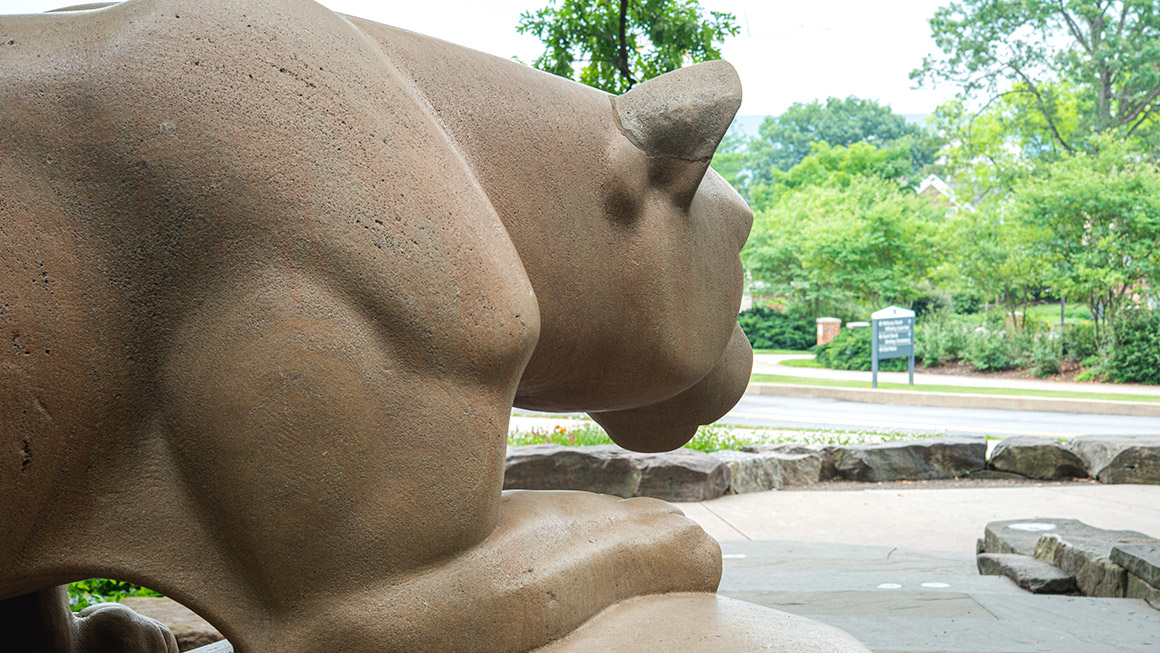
x=815, y=413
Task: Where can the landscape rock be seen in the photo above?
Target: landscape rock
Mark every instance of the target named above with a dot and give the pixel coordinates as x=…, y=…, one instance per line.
x=911, y=460
x=1120, y=459
x=681, y=475
x=1038, y=458
x=824, y=452
x=190, y=630
x=605, y=469
x=1032, y=575
x=1141, y=560
x=758, y=472
x=1138, y=589
x=1095, y=574
x=750, y=472
x=995, y=475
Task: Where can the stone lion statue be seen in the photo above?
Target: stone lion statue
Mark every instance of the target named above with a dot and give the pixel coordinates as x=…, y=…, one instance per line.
x=272, y=279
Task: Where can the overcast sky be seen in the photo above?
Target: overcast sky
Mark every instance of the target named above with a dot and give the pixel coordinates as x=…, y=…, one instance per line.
x=788, y=51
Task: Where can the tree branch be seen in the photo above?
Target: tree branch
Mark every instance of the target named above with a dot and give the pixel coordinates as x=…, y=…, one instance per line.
x=1143, y=117
x=1043, y=109
x=1143, y=105
x=622, y=52
x=1072, y=26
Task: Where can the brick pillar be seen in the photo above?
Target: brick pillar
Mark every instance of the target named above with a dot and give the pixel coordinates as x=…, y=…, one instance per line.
x=828, y=328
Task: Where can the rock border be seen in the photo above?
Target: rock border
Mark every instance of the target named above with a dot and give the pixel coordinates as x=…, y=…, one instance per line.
x=688, y=475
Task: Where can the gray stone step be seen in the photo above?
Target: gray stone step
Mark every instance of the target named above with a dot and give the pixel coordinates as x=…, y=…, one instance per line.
x=1033, y=575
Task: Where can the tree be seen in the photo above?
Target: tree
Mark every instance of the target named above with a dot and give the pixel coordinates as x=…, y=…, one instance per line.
x=828, y=248
x=993, y=253
x=1099, y=216
x=1105, y=51
x=615, y=44
x=839, y=123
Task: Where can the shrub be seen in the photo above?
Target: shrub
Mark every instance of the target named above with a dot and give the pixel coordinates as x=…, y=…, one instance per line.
x=1135, y=352
x=940, y=340
x=84, y=593
x=850, y=350
x=989, y=350
x=931, y=304
x=966, y=302
x=1045, y=356
x=1079, y=342
x=770, y=329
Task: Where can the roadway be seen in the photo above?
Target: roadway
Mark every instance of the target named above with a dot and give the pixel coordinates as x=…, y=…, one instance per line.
x=833, y=414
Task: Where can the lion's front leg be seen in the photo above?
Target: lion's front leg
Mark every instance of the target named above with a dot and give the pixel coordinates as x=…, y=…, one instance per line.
x=554, y=561
x=41, y=622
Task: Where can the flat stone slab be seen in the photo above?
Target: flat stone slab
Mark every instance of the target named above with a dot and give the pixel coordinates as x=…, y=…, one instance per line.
x=1141, y=560
x=1120, y=459
x=1032, y=575
x=1038, y=458
x=1087, y=555
x=911, y=460
x=1021, y=535
x=681, y=475
x=190, y=630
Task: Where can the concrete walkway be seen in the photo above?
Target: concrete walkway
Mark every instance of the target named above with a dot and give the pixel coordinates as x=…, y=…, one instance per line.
x=893, y=564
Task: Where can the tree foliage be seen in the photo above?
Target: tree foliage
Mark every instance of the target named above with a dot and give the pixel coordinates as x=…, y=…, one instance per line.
x=1098, y=216
x=828, y=248
x=1103, y=53
x=836, y=122
x=615, y=44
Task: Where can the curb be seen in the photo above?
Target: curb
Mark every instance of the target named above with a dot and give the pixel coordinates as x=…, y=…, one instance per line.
x=960, y=400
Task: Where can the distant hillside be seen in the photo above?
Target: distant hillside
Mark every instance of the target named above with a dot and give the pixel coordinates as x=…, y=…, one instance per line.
x=748, y=125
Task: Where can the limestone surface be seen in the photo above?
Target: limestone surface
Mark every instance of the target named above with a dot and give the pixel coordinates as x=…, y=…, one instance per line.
x=1120, y=459
x=1029, y=573
x=912, y=460
x=1038, y=458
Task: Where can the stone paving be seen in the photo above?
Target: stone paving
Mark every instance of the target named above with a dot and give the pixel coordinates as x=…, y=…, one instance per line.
x=895, y=566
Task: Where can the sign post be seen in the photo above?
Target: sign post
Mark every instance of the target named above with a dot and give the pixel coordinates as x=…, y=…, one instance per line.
x=891, y=336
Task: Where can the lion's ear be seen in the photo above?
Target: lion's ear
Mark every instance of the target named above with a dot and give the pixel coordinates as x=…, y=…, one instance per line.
x=680, y=118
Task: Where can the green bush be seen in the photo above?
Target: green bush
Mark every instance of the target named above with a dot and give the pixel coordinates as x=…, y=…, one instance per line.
x=1135, y=352
x=989, y=351
x=1079, y=342
x=932, y=303
x=940, y=340
x=770, y=329
x=1046, y=356
x=84, y=593
x=850, y=350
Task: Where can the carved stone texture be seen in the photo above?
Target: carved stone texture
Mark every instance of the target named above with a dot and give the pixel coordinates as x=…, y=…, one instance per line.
x=1120, y=459
x=1088, y=557
x=190, y=630
x=1032, y=575
x=1038, y=458
x=271, y=280
x=911, y=460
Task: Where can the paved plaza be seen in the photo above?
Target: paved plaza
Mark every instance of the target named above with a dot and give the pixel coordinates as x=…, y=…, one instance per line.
x=894, y=564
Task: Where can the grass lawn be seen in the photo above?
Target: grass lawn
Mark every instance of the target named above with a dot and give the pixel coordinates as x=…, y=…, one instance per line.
x=1061, y=394
x=801, y=362
x=1076, y=312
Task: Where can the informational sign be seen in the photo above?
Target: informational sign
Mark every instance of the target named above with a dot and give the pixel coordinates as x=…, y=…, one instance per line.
x=891, y=336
